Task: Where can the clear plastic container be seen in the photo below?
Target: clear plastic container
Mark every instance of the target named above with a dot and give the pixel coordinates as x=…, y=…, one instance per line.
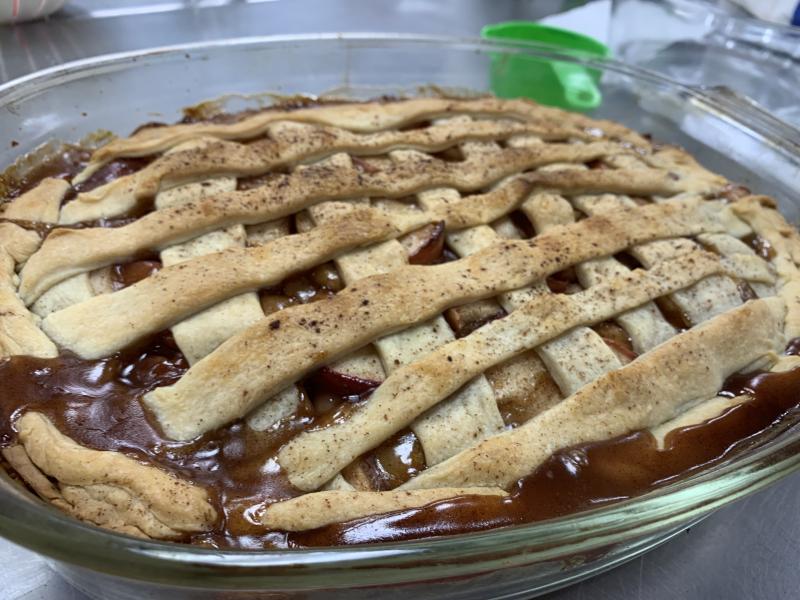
x=121, y=92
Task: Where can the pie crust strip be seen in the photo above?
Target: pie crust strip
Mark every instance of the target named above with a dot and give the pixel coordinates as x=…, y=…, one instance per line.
x=19, y=328
x=642, y=394
x=700, y=302
x=559, y=356
x=648, y=391
x=244, y=371
x=203, y=331
x=335, y=506
x=468, y=416
x=759, y=212
x=97, y=247
x=367, y=117
x=70, y=251
x=40, y=204
x=112, y=489
x=467, y=174
x=706, y=410
x=289, y=143
x=312, y=458
x=101, y=325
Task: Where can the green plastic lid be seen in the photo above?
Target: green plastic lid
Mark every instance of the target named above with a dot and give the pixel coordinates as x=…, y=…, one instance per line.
x=551, y=82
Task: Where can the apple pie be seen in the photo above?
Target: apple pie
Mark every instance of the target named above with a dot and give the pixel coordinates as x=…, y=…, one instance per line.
x=337, y=323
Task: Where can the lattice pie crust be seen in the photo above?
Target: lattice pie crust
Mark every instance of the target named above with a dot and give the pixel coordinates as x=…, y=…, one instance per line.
x=357, y=179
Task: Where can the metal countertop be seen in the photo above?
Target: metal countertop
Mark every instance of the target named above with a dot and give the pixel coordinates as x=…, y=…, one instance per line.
x=745, y=551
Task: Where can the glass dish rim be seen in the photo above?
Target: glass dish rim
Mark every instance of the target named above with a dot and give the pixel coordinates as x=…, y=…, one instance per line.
x=56, y=535
x=747, y=20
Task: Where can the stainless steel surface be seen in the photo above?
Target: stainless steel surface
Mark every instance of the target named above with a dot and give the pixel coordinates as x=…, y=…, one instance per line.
x=748, y=550
x=88, y=28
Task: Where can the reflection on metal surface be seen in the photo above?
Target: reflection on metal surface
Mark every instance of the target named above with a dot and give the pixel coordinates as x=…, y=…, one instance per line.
x=89, y=28
x=115, y=10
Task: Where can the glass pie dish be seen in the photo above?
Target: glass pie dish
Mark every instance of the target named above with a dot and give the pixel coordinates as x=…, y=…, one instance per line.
x=72, y=101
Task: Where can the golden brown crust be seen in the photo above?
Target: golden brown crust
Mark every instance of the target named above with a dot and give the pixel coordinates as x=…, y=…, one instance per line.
x=418, y=171
x=290, y=142
x=371, y=117
x=19, y=328
x=349, y=321
x=644, y=393
x=18, y=243
x=312, y=458
x=323, y=508
x=109, y=322
x=109, y=488
x=784, y=239
x=41, y=204
x=360, y=177
x=335, y=178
